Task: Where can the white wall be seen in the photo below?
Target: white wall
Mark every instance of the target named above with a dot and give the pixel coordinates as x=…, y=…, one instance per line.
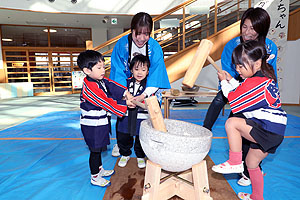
x=113, y=32
x=290, y=91
x=99, y=36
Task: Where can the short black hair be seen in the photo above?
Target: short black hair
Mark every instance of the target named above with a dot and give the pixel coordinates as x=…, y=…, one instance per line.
x=140, y=20
x=140, y=58
x=88, y=59
x=260, y=20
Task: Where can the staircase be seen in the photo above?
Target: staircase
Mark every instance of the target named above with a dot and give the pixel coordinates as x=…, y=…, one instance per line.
x=220, y=24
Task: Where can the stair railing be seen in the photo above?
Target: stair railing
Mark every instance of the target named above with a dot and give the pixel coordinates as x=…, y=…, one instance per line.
x=191, y=29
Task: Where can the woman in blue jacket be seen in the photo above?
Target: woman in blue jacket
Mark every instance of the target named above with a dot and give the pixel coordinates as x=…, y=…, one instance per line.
x=139, y=42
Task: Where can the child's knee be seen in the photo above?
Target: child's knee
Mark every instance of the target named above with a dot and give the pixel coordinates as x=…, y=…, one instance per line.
x=252, y=163
x=230, y=123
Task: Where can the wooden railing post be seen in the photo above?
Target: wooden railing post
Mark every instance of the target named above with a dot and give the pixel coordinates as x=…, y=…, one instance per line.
x=178, y=39
x=183, y=28
x=216, y=16
x=89, y=44
x=207, y=26
x=152, y=31
x=238, y=10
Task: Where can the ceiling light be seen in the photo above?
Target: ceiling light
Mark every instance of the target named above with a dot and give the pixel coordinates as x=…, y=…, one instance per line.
x=7, y=40
x=51, y=30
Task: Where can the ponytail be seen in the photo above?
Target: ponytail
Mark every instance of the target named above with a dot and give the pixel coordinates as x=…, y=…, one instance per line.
x=267, y=70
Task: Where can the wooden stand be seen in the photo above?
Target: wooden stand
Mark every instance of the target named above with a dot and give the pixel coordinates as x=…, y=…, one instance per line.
x=190, y=185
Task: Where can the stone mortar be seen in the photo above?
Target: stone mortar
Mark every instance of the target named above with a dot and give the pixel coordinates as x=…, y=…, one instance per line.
x=182, y=146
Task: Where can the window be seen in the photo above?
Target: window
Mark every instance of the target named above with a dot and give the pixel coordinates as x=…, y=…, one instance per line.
x=29, y=36
x=69, y=37
x=24, y=36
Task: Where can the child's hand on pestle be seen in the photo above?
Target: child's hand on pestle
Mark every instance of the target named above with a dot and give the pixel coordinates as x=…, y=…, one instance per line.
x=128, y=95
x=228, y=76
x=130, y=104
x=222, y=75
x=139, y=98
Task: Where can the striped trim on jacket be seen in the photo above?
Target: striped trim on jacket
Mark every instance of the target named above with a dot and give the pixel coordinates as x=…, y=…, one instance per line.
x=258, y=98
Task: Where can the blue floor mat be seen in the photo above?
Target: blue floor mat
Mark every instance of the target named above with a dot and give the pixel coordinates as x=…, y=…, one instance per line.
x=46, y=158
x=53, y=169
x=63, y=124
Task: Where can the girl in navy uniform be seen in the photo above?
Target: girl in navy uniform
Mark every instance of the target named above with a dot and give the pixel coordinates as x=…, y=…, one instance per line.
x=129, y=125
x=255, y=24
x=99, y=96
x=257, y=114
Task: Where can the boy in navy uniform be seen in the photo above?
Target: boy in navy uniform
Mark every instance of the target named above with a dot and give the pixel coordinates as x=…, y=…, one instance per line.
x=99, y=96
x=129, y=125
